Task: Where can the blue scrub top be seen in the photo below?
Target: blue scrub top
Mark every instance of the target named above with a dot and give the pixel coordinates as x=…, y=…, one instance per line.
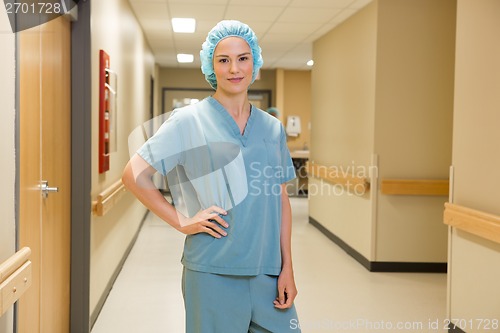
x=208, y=162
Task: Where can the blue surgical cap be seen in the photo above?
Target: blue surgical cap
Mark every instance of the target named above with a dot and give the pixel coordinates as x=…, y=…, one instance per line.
x=224, y=29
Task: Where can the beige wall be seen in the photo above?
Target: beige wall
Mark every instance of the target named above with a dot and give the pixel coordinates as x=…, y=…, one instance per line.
x=343, y=91
x=116, y=31
x=382, y=90
x=7, y=150
x=342, y=123
x=473, y=290
x=413, y=122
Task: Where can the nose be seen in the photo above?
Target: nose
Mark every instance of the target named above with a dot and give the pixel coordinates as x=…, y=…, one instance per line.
x=234, y=67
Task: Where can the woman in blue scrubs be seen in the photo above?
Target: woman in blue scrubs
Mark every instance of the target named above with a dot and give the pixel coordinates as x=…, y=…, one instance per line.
x=227, y=164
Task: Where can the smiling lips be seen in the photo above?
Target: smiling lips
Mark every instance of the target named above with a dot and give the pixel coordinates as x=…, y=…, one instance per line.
x=236, y=79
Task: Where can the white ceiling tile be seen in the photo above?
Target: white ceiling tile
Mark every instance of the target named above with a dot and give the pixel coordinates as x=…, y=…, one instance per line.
x=152, y=25
x=199, y=12
x=278, y=46
x=279, y=3
x=260, y=27
x=321, y=3
x=303, y=48
x=287, y=39
x=203, y=26
x=308, y=15
x=151, y=10
x=344, y=15
x=298, y=29
x=321, y=32
x=252, y=13
x=313, y=37
x=185, y=46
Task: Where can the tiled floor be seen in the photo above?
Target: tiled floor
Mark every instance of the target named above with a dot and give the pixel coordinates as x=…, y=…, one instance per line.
x=336, y=294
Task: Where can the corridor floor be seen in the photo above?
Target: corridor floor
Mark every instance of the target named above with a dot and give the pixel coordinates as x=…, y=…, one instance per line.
x=336, y=294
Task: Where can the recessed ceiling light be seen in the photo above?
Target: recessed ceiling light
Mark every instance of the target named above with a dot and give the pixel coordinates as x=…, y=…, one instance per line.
x=185, y=58
x=184, y=25
x=310, y=63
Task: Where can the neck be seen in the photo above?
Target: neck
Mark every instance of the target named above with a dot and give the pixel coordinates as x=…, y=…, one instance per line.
x=237, y=106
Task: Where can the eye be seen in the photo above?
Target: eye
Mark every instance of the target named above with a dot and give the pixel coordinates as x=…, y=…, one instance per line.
x=244, y=58
x=223, y=60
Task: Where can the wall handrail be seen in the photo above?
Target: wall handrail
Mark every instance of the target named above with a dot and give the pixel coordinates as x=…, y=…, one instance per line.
x=433, y=187
x=473, y=221
x=108, y=198
x=15, y=278
x=331, y=175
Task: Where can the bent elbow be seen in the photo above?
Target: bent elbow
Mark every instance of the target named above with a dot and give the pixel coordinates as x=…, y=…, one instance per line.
x=127, y=177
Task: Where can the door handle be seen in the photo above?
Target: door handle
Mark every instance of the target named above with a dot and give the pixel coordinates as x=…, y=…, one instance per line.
x=44, y=187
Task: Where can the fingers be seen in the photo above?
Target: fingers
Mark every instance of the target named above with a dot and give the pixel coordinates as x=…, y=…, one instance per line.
x=213, y=228
x=217, y=219
x=214, y=221
x=281, y=299
x=207, y=221
x=217, y=210
x=285, y=299
x=213, y=214
x=280, y=304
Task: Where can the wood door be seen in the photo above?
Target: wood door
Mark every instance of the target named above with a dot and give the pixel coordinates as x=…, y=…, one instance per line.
x=45, y=155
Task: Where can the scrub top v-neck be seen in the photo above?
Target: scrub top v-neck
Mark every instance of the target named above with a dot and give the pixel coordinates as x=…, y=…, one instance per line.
x=210, y=162
x=232, y=123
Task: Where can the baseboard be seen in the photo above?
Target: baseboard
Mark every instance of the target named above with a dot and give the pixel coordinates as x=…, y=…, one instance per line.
x=381, y=266
x=409, y=267
x=109, y=286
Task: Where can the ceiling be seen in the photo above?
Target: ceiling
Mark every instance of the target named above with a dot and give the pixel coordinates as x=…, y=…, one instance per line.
x=286, y=29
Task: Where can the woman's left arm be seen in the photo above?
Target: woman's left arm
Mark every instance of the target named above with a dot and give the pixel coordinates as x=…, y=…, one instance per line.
x=287, y=291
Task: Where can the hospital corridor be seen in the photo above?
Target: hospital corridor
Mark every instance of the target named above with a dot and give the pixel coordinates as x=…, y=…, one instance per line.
x=336, y=294
x=247, y=166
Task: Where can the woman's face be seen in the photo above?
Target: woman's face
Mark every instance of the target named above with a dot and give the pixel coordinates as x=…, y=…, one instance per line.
x=233, y=65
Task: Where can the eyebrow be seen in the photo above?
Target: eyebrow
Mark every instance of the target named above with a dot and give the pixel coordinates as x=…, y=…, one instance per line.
x=239, y=55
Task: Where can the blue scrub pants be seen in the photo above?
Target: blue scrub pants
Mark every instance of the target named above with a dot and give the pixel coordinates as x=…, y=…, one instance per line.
x=234, y=304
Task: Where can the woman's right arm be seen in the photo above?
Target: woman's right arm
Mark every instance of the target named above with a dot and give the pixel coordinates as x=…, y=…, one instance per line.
x=137, y=178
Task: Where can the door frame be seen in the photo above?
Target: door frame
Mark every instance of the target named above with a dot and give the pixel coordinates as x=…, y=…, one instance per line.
x=81, y=176
x=17, y=145
x=17, y=191
x=81, y=180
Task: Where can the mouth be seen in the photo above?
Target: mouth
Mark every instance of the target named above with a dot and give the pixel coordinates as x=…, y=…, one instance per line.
x=235, y=79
